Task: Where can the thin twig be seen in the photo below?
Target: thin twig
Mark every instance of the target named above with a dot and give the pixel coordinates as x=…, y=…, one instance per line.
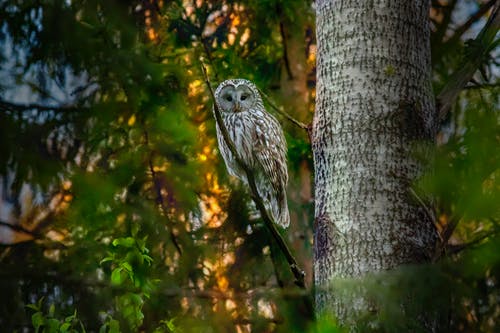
x=428, y=211
x=454, y=249
x=449, y=229
x=283, y=113
x=445, y=236
x=294, y=267
x=285, y=52
x=203, y=42
x=462, y=76
x=482, y=86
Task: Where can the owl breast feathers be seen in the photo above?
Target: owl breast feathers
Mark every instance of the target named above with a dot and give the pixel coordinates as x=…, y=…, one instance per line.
x=259, y=141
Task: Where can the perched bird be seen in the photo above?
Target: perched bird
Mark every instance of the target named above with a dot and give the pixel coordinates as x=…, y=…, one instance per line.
x=259, y=142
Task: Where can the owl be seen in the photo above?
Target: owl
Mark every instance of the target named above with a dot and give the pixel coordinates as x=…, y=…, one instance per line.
x=259, y=141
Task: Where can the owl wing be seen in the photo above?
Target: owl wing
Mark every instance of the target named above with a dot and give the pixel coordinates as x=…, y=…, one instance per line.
x=270, y=155
x=270, y=148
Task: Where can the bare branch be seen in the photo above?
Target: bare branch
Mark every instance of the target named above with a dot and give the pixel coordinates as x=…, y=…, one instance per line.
x=294, y=267
x=428, y=211
x=206, y=48
x=462, y=76
x=445, y=235
x=454, y=249
x=284, y=114
x=482, y=86
x=449, y=229
x=285, y=51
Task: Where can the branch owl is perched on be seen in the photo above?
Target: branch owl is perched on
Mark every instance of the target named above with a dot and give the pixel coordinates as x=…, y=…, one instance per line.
x=259, y=141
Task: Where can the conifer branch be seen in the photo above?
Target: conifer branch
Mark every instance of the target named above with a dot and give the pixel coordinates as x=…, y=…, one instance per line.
x=479, y=49
x=297, y=272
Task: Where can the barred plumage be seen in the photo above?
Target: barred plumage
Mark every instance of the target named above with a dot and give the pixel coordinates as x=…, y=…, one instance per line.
x=259, y=141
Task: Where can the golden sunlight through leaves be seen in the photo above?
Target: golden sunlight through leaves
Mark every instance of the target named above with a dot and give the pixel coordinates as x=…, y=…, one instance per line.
x=131, y=120
x=212, y=214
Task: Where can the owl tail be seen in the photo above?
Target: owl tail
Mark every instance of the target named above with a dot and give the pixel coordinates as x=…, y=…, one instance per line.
x=283, y=218
x=279, y=209
x=276, y=205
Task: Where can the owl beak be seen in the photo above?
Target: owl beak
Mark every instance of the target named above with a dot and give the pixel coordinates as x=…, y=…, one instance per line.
x=237, y=107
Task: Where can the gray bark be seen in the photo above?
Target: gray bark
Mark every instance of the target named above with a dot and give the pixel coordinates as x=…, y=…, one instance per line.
x=374, y=101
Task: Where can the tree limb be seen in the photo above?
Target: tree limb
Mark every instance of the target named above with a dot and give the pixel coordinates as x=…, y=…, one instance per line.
x=459, y=79
x=294, y=267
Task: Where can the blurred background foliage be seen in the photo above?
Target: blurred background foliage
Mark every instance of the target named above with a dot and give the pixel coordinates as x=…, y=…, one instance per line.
x=117, y=214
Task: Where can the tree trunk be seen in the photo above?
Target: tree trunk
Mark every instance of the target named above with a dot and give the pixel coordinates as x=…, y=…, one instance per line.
x=374, y=101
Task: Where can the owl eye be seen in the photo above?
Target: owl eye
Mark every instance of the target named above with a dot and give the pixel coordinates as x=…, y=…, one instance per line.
x=229, y=98
x=243, y=97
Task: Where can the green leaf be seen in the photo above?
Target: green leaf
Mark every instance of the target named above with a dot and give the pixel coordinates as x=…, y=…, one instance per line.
x=52, y=325
x=52, y=309
x=37, y=320
x=114, y=326
x=116, y=276
x=65, y=327
x=171, y=325
x=110, y=258
x=126, y=266
x=33, y=307
x=147, y=258
x=37, y=306
x=125, y=242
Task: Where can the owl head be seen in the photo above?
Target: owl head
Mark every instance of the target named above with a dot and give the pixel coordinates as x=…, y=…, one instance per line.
x=237, y=95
